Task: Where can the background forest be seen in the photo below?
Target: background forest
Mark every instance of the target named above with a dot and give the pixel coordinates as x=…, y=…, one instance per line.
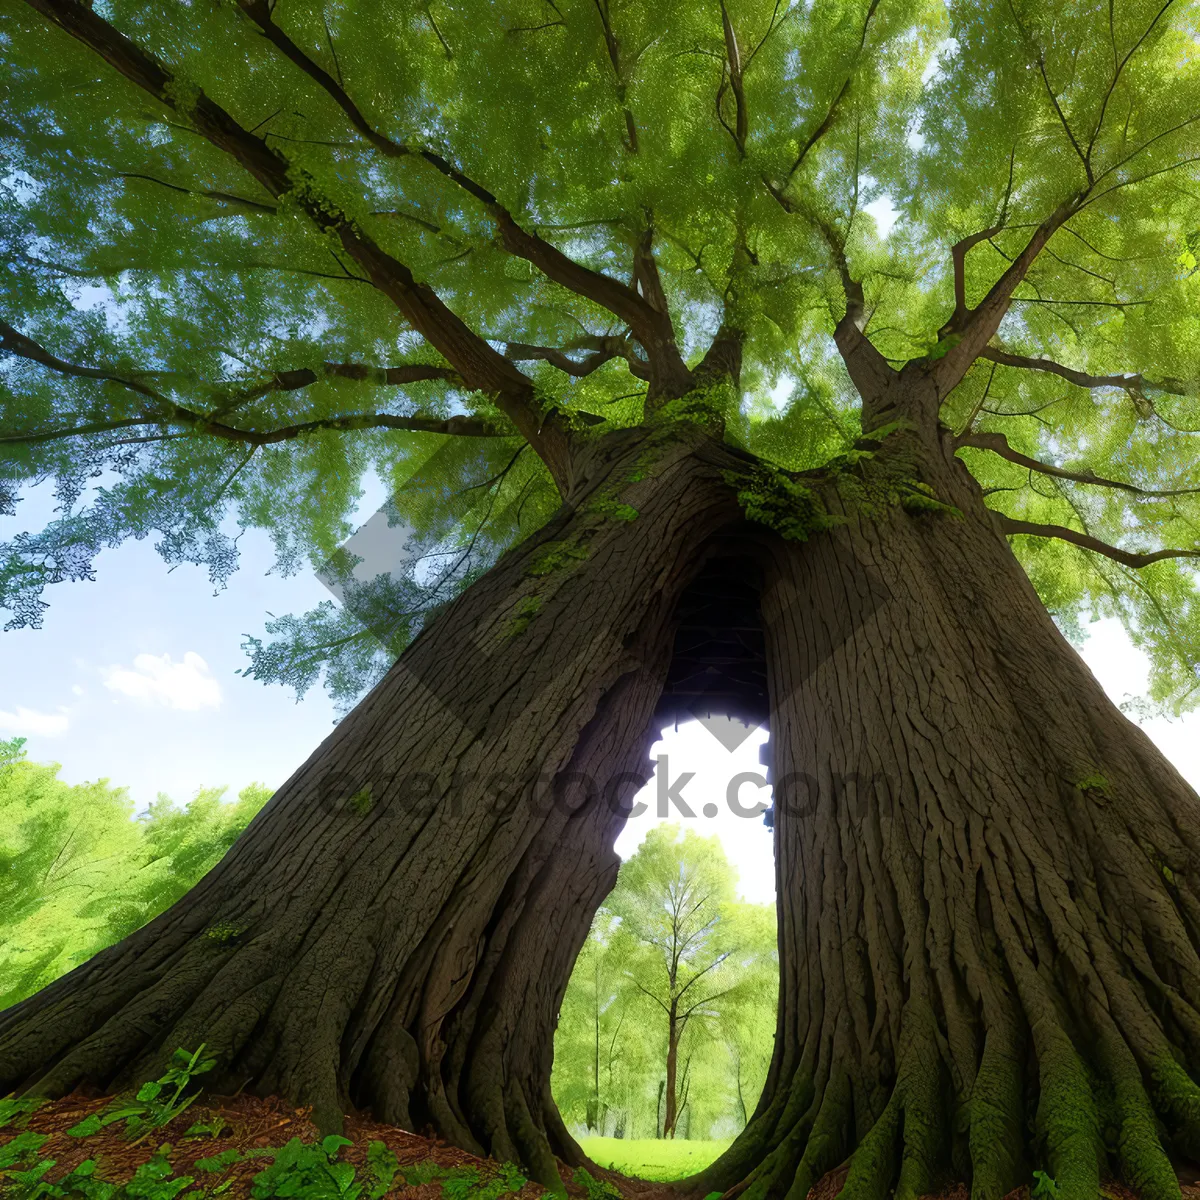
x=673, y=960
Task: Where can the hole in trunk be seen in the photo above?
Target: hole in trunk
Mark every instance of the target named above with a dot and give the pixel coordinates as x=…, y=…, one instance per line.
x=655, y=1074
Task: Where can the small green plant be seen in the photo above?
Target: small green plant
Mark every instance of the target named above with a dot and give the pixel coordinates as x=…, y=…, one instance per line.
x=421, y=1173
x=1043, y=1185
x=155, y=1179
x=382, y=1166
x=10, y=1110
x=312, y=1172
x=596, y=1189
x=148, y=1109
x=23, y=1174
x=218, y=1162
x=460, y=1183
x=212, y=1126
x=361, y=801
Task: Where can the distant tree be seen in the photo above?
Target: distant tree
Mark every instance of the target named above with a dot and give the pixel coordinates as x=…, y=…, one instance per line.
x=78, y=871
x=676, y=902
x=630, y=1042
x=602, y=1047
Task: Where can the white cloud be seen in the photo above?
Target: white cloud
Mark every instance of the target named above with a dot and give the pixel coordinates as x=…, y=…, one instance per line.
x=157, y=680
x=27, y=720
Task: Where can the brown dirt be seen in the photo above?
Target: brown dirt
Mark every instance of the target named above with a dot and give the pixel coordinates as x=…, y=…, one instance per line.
x=250, y=1123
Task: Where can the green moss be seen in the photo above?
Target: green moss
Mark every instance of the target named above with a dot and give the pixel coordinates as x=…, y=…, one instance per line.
x=873, y=1164
x=772, y=498
x=609, y=507
x=1067, y=1119
x=917, y=497
x=223, y=932
x=1144, y=1165
x=526, y=611
x=703, y=406
x=1178, y=1099
x=183, y=93
x=361, y=801
x=557, y=556
x=925, y=1132
x=1094, y=785
x=826, y=1143
x=995, y=1110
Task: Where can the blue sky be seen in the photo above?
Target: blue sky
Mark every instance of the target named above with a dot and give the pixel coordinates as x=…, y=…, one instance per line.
x=132, y=678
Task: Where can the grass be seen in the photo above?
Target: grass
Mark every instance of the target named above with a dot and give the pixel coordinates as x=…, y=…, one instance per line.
x=652, y=1158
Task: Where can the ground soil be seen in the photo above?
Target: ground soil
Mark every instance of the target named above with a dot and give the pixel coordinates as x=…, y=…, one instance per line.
x=251, y=1123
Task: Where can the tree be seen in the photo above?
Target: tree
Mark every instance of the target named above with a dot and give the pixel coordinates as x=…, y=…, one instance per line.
x=576, y=244
x=674, y=897
x=78, y=872
x=602, y=1055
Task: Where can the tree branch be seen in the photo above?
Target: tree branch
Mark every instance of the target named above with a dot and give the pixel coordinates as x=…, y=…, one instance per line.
x=604, y=349
x=981, y=322
x=481, y=367
x=870, y=372
x=651, y=327
x=831, y=113
x=997, y=443
x=733, y=57
x=170, y=413
x=458, y=426
x=614, y=56
x=1136, y=383
x=1010, y=525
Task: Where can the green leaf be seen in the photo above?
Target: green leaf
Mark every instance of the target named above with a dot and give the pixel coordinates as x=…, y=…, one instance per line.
x=86, y=1127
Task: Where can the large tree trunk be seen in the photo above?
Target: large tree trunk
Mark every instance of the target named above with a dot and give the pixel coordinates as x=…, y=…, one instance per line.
x=989, y=879
x=397, y=926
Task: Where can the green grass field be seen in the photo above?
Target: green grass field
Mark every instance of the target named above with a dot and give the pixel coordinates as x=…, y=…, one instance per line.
x=651, y=1158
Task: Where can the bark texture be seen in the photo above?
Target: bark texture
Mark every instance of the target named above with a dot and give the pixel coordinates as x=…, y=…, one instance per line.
x=989, y=907
x=397, y=926
x=989, y=878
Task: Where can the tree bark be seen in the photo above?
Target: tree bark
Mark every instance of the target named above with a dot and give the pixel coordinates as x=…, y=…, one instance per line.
x=671, y=1116
x=989, y=879
x=397, y=926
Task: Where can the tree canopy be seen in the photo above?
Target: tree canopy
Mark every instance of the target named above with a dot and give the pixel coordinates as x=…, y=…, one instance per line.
x=79, y=872
x=253, y=251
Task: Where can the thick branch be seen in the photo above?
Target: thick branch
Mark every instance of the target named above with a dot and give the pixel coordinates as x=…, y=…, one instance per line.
x=870, y=372
x=1136, y=383
x=603, y=350
x=1061, y=533
x=480, y=366
x=171, y=413
x=981, y=322
x=997, y=443
x=609, y=293
x=958, y=254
